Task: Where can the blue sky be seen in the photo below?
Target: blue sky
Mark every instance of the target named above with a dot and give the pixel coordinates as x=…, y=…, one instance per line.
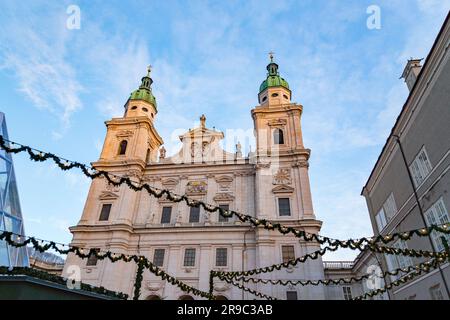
x=58, y=86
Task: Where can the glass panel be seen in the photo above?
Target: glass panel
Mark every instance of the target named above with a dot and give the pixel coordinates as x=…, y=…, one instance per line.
x=221, y=257
x=287, y=253
x=283, y=207
x=4, y=170
x=11, y=202
x=194, y=215
x=189, y=258
x=106, y=209
x=166, y=213
x=158, y=257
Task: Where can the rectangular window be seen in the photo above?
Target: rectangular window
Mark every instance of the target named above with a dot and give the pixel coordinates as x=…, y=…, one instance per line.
x=92, y=260
x=436, y=293
x=389, y=206
x=189, y=257
x=437, y=214
x=381, y=220
x=106, y=209
x=420, y=167
x=221, y=257
x=398, y=261
x=284, y=207
x=158, y=257
x=347, y=293
x=291, y=295
x=287, y=253
x=224, y=207
x=194, y=214
x=165, y=215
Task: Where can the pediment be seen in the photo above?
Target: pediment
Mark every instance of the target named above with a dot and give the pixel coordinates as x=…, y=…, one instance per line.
x=169, y=182
x=283, y=189
x=223, y=197
x=108, y=195
x=224, y=179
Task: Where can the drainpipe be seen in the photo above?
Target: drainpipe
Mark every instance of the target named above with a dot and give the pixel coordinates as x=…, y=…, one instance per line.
x=422, y=216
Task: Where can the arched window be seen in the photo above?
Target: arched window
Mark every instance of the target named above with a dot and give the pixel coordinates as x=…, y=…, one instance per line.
x=123, y=147
x=185, y=297
x=278, y=136
x=145, y=109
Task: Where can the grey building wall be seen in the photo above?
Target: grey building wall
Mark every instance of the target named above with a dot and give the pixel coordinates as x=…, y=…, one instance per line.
x=424, y=122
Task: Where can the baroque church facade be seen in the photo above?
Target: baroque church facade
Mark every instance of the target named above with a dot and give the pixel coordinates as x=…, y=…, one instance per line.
x=270, y=183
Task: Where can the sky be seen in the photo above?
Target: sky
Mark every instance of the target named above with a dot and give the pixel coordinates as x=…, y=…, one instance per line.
x=59, y=84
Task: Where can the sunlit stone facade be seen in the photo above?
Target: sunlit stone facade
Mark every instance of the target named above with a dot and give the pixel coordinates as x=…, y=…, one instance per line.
x=271, y=183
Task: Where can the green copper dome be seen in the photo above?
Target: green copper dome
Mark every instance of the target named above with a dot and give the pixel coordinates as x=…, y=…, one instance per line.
x=145, y=90
x=273, y=77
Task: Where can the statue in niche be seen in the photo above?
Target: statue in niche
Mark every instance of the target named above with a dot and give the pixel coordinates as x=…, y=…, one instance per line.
x=162, y=152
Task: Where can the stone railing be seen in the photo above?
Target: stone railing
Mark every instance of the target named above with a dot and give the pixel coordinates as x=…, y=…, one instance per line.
x=338, y=264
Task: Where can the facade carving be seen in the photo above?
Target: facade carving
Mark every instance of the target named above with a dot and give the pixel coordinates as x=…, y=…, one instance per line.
x=189, y=242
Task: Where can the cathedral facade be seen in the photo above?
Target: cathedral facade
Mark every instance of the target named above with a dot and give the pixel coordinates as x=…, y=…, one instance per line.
x=270, y=183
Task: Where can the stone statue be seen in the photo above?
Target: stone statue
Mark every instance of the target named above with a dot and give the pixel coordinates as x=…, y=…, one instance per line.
x=238, y=149
x=162, y=152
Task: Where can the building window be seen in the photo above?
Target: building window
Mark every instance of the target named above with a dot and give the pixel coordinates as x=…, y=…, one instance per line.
x=145, y=109
x=347, y=293
x=123, y=147
x=194, y=214
x=420, y=167
x=221, y=257
x=436, y=293
x=278, y=136
x=147, y=157
x=92, y=259
x=221, y=217
x=437, y=214
x=104, y=214
x=398, y=261
x=291, y=295
x=284, y=207
x=386, y=213
x=389, y=206
x=274, y=95
x=189, y=257
x=381, y=220
x=158, y=257
x=287, y=253
x=133, y=108
x=165, y=215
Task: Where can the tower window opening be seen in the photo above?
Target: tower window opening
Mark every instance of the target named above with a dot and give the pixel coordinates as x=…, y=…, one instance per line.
x=123, y=147
x=285, y=96
x=278, y=136
x=145, y=109
x=274, y=94
x=264, y=99
x=152, y=115
x=133, y=108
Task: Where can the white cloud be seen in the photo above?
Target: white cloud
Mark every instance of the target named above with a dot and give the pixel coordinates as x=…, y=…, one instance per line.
x=35, y=52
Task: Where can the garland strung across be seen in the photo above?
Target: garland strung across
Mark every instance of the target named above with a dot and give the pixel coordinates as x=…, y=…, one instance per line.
x=318, y=253
x=113, y=257
x=428, y=266
x=59, y=280
x=254, y=292
x=93, y=173
x=328, y=281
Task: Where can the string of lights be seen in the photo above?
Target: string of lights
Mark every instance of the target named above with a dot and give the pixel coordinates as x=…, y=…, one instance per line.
x=318, y=253
x=329, y=281
x=254, y=292
x=428, y=266
x=141, y=261
x=93, y=173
